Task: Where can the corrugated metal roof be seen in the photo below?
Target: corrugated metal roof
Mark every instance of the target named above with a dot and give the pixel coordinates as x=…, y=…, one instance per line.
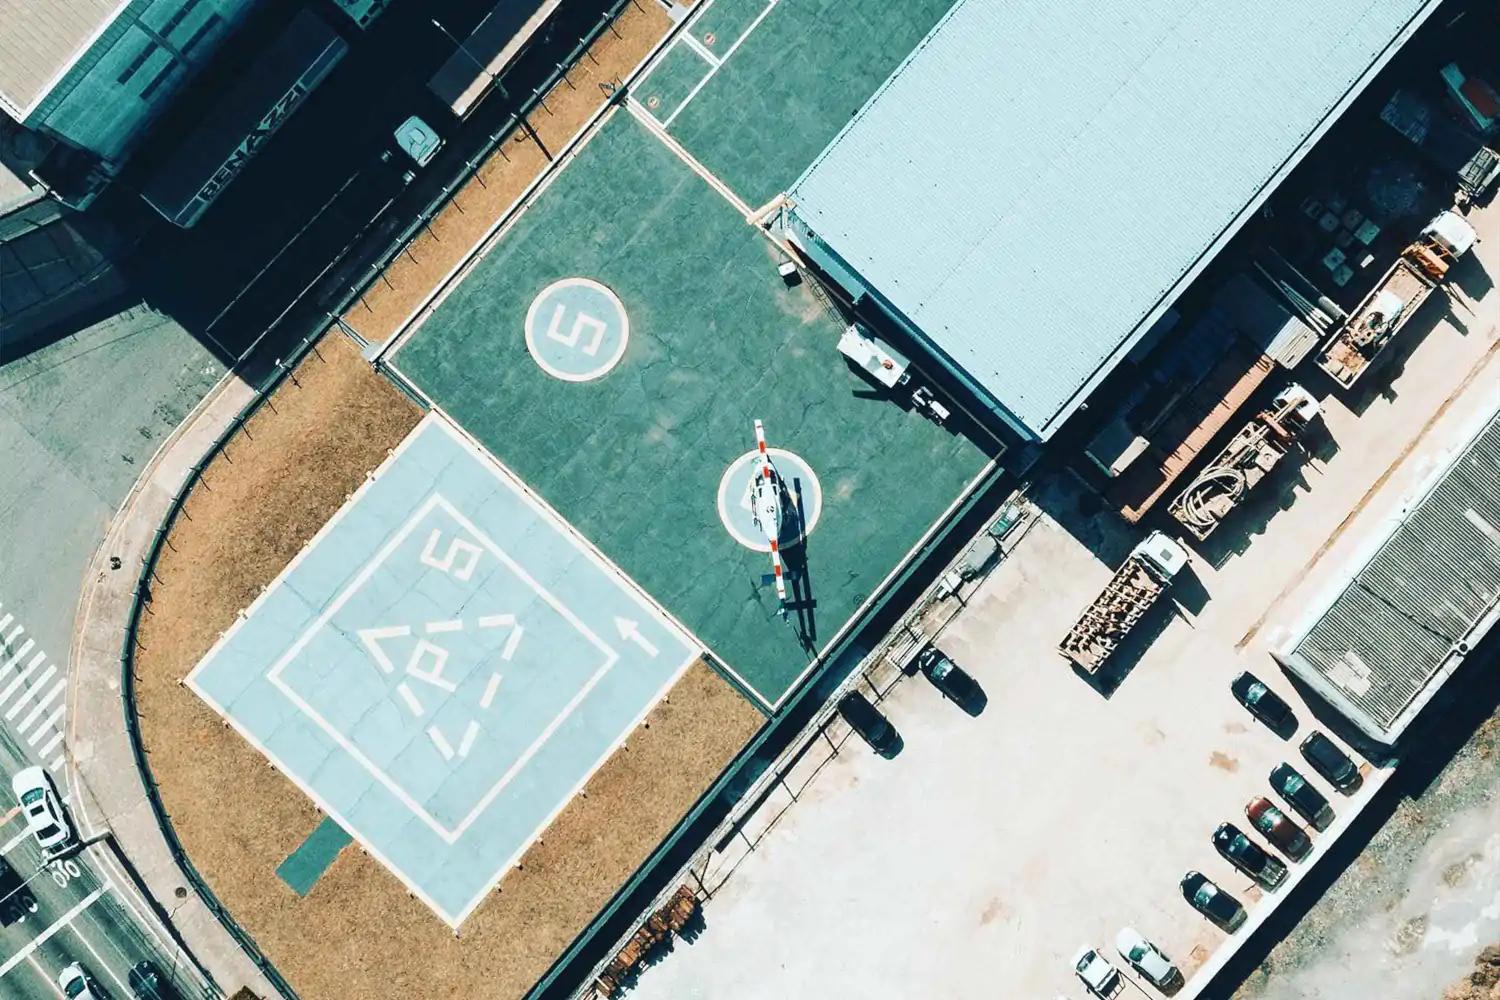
x=1036, y=178
x=39, y=39
x=1426, y=589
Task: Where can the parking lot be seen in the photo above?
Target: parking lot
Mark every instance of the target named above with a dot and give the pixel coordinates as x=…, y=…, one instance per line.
x=992, y=847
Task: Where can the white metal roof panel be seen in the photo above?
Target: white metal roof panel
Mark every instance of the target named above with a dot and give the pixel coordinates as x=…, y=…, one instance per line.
x=1033, y=183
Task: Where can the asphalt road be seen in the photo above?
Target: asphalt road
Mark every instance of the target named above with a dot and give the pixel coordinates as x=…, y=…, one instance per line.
x=82, y=909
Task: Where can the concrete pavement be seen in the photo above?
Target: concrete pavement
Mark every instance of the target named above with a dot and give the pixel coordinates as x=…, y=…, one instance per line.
x=107, y=788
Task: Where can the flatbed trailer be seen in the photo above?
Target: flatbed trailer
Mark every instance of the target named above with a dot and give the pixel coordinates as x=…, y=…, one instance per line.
x=1375, y=322
x=1352, y=349
x=1144, y=576
x=1248, y=458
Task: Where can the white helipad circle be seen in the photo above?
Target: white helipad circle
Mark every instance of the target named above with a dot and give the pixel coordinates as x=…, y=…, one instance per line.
x=577, y=329
x=803, y=507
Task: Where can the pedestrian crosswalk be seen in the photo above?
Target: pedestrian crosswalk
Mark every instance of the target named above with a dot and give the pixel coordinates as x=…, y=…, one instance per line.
x=33, y=692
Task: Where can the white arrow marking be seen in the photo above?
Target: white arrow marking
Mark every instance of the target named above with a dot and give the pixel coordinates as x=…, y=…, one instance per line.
x=372, y=638
x=631, y=632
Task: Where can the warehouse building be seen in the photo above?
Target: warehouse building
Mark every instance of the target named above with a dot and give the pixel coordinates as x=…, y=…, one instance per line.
x=1038, y=182
x=1382, y=641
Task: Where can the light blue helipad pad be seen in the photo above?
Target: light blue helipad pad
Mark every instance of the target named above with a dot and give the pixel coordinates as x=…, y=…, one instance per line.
x=443, y=667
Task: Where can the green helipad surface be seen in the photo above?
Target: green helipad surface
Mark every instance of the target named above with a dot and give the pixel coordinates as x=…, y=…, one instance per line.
x=634, y=458
x=789, y=75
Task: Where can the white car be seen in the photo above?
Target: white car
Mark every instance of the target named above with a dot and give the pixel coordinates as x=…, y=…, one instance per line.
x=1148, y=961
x=77, y=984
x=1096, y=972
x=44, y=813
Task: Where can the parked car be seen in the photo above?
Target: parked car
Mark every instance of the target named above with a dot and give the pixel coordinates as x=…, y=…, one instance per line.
x=44, y=813
x=147, y=982
x=1263, y=703
x=1097, y=974
x=949, y=678
x=1246, y=855
x=1332, y=763
x=1278, y=829
x=1304, y=798
x=76, y=984
x=873, y=727
x=1146, y=958
x=1213, y=902
x=16, y=900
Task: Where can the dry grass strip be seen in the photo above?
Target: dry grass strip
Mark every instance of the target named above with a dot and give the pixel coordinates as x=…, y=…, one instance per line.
x=380, y=312
x=358, y=934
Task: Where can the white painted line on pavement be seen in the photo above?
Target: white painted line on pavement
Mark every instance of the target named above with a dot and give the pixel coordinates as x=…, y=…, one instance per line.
x=57, y=765
x=59, y=924
x=127, y=893
x=49, y=978
x=30, y=692
x=10, y=845
x=41, y=706
x=5, y=622
x=25, y=648
x=100, y=963
x=48, y=724
x=16, y=682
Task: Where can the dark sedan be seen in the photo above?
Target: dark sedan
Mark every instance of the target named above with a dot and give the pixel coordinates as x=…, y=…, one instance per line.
x=866, y=720
x=1246, y=855
x=1278, y=829
x=1332, y=763
x=1213, y=902
x=1263, y=703
x=952, y=680
x=1306, y=799
x=147, y=983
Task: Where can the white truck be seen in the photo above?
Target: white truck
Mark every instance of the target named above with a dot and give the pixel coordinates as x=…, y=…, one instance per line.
x=1375, y=322
x=1145, y=575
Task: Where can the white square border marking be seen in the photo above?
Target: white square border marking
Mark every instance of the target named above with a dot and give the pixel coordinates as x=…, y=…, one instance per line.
x=696, y=651
x=435, y=502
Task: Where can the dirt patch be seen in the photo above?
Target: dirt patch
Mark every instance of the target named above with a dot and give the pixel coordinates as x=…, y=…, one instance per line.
x=517, y=161
x=1481, y=984
x=358, y=933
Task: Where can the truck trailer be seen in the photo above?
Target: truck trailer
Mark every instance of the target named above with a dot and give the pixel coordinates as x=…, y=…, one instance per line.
x=1145, y=575
x=1375, y=322
x=1248, y=458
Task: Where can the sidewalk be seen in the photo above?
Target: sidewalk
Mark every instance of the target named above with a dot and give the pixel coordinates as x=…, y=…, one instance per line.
x=106, y=787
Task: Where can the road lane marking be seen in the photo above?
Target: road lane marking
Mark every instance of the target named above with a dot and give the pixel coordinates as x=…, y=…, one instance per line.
x=100, y=963
x=180, y=959
x=57, y=925
x=47, y=726
x=30, y=692
x=25, y=648
x=10, y=845
x=41, y=706
x=50, y=978
x=16, y=682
